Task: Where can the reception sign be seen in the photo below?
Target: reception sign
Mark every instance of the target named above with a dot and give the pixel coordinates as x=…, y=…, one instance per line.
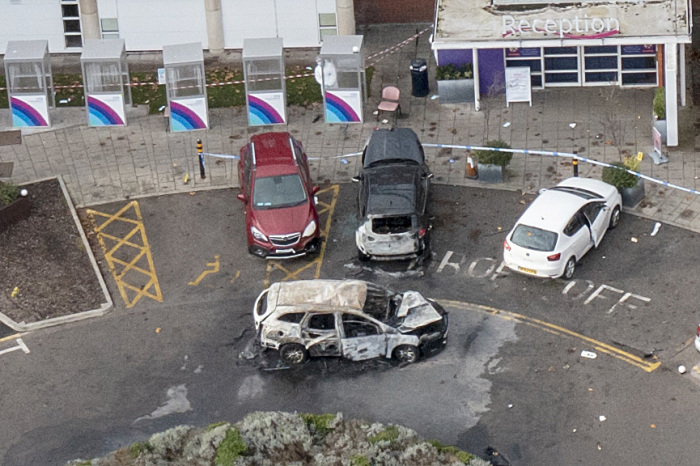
x=266, y=109
x=106, y=110
x=188, y=114
x=29, y=111
x=343, y=106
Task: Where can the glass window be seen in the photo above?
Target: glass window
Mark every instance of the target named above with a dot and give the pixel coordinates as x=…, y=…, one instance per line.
x=292, y=317
x=534, y=238
x=638, y=63
x=109, y=25
x=70, y=11
x=327, y=20
x=535, y=65
x=274, y=192
x=573, y=226
x=553, y=78
x=600, y=77
x=560, y=51
x=74, y=41
x=71, y=25
x=639, y=79
x=604, y=49
x=560, y=63
x=601, y=62
x=355, y=326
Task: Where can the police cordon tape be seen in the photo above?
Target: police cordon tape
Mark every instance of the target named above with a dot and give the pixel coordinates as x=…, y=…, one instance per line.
x=389, y=50
x=568, y=155
x=565, y=155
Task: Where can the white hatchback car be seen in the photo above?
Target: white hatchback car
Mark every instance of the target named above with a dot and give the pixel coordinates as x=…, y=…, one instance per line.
x=560, y=226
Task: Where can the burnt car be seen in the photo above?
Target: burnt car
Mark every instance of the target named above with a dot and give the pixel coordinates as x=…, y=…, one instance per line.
x=393, y=197
x=353, y=319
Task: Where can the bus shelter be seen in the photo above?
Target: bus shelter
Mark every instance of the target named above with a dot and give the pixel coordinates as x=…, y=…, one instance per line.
x=29, y=83
x=106, y=81
x=263, y=72
x=186, y=86
x=341, y=73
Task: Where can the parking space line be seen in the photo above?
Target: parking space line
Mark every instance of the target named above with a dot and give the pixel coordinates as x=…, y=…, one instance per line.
x=324, y=209
x=214, y=268
x=557, y=330
x=10, y=337
x=20, y=346
x=128, y=254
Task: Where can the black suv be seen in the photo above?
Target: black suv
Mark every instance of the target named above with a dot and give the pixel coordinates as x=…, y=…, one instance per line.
x=393, y=197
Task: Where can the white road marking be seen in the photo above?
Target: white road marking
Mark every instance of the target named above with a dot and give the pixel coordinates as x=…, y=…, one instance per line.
x=20, y=345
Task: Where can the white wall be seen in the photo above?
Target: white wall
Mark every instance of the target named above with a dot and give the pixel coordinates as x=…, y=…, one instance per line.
x=151, y=24
x=45, y=23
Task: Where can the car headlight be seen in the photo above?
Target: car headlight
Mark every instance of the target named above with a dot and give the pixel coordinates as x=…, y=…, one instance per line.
x=257, y=234
x=310, y=229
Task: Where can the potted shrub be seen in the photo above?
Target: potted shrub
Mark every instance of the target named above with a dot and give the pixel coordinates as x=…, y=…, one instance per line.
x=631, y=187
x=455, y=83
x=491, y=163
x=660, y=112
x=13, y=207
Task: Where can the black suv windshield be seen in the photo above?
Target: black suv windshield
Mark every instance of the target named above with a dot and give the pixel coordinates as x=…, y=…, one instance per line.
x=274, y=192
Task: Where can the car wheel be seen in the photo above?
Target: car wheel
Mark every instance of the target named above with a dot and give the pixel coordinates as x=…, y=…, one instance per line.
x=615, y=217
x=362, y=256
x=293, y=354
x=569, y=269
x=406, y=353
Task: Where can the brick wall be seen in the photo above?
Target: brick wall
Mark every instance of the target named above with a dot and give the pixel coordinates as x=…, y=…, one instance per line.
x=394, y=11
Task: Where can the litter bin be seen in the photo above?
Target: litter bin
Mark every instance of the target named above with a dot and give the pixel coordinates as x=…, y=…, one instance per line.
x=419, y=77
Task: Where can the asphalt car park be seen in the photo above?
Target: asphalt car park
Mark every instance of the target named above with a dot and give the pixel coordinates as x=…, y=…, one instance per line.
x=503, y=380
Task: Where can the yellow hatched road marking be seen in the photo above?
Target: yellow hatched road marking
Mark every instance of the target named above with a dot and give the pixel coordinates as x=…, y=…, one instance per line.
x=126, y=231
x=323, y=208
x=611, y=350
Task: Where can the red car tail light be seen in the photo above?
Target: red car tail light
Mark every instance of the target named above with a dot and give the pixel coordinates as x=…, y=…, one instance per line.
x=506, y=246
x=698, y=332
x=422, y=232
x=554, y=257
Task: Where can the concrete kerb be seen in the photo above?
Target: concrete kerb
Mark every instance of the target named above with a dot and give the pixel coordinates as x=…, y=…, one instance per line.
x=104, y=307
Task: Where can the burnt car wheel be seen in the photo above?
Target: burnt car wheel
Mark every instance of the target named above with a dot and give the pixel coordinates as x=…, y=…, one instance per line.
x=362, y=256
x=293, y=353
x=406, y=353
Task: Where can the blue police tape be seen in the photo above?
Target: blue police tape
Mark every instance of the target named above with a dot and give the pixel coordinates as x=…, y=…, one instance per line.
x=221, y=156
x=566, y=155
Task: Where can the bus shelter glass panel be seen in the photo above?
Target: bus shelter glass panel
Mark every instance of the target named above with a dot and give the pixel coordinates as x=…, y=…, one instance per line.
x=106, y=81
x=29, y=83
x=263, y=71
x=341, y=73
x=186, y=86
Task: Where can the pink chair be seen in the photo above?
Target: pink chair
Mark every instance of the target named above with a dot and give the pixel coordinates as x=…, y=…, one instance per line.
x=390, y=101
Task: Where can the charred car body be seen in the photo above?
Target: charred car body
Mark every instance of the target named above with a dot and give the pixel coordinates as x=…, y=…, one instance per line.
x=354, y=319
x=393, y=197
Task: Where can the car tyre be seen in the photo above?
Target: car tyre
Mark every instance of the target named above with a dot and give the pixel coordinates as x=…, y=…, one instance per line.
x=293, y=354
x=614, y=218
x=569, y=268
x=406, y=353
x=362, y=256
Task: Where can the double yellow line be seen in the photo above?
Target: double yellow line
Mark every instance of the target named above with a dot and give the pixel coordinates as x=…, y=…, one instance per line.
x=557, y=330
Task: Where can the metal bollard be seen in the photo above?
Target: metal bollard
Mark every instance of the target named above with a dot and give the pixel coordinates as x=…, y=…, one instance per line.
x=202, y=173
x=575, y=162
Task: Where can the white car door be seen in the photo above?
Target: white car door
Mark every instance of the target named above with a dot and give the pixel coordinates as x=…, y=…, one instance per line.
x=362, y=338
x=577, y=238
x=595, y=214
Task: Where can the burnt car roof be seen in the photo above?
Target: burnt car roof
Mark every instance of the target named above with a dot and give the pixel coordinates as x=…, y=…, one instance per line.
x=393, y=144
x=392, y=190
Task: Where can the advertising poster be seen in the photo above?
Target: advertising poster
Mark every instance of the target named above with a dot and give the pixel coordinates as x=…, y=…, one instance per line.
x=106, y=110
x=343, y=106
x=518, y=85
x=29, y=111
x=266, y=109
x=188, y=114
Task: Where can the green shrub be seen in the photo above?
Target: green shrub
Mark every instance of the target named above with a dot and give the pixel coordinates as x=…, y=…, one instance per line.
x=230, y=449
x=390, y=434
x=618, y=176
x=8, y=193
x=660, y=103
x=451, y=71
x=494, y=157
x=139, y=447
x=359, y=460
x=461, y=455
x=318, y=423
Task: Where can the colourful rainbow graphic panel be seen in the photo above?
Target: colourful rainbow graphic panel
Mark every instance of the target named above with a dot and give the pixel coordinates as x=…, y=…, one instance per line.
x=106, y=110
x=188, y=114
x=266, y=109
x=29, y=111
x=343, y=107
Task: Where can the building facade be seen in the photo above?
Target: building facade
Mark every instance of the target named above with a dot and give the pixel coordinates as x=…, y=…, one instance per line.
x=566, y=43
x=150, y=24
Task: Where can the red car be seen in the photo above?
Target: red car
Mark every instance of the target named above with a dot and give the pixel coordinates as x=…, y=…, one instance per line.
x=276, y=188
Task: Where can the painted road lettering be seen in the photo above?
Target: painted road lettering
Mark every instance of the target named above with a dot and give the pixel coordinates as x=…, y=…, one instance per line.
x=490, y=268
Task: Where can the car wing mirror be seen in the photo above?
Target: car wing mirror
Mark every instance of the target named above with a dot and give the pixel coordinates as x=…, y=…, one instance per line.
x=315, y=189
x=241, y=197
x=542, y=190
x=356, y=179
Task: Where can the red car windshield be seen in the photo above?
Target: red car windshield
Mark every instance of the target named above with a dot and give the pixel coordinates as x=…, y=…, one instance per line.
x=275, y=192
